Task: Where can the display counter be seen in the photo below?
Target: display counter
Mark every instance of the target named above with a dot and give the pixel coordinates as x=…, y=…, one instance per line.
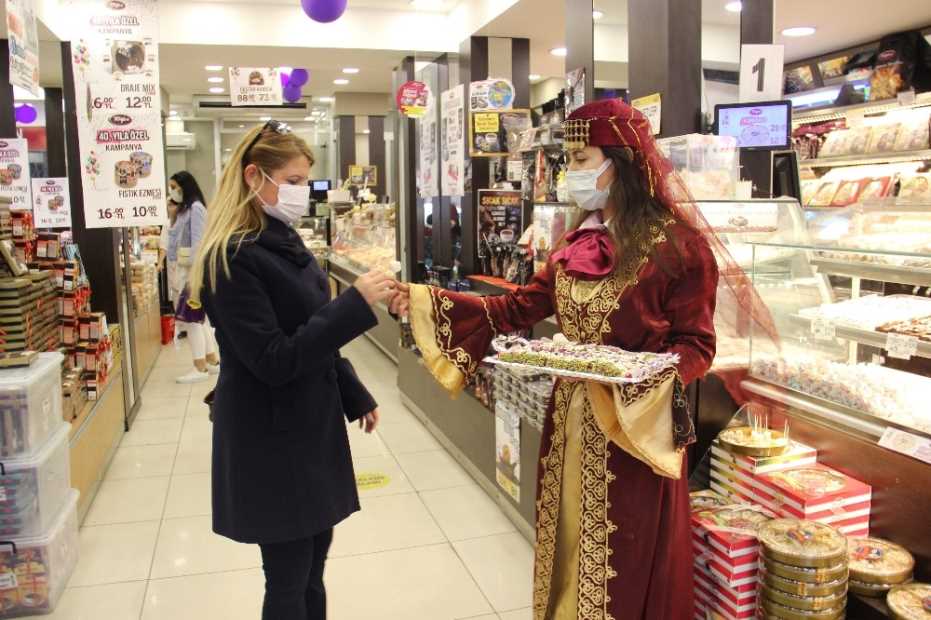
x=95, y=435
x=148, y=336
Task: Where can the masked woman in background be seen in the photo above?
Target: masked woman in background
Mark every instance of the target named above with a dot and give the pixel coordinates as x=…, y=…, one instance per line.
x=637, y=271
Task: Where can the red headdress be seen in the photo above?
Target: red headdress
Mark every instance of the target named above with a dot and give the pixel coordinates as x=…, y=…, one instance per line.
x=740, y=310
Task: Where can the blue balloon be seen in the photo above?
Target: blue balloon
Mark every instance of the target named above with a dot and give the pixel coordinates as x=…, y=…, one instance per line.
x=291, y=93
x=26, y=114
x=299, y=77
x=324, y=11
x=285, y=79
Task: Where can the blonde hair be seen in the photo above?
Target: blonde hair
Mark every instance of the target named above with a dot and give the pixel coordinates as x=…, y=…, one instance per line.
x=234, y=213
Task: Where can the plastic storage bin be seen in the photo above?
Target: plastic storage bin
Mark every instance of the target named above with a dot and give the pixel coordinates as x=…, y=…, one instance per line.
x=30, y=405
x=33, y=489
x=709, y=165
x=35, y=570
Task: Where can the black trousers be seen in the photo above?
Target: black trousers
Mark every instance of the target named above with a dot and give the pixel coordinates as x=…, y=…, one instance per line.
x=294, y=578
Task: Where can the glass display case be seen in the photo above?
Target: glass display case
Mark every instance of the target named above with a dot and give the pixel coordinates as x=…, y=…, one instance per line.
x=709, y=165
x=364, y=238
x=853, y=316
x=315, y=232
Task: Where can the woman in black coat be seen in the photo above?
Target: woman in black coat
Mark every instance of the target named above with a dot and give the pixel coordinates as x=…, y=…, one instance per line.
x=282, y=469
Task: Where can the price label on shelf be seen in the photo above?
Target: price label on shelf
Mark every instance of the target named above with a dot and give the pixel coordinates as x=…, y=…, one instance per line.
x=823, y=329
x=901, y=346
x=907, y=444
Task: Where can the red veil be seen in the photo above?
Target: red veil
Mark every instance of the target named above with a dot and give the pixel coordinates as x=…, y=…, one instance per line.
x=740, y=311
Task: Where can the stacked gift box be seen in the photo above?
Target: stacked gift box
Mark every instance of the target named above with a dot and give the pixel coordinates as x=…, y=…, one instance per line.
x=527, y=393
x=28, y=318
x=23, y=235
x=93, y=354
x=726, y=557
x=38, y=509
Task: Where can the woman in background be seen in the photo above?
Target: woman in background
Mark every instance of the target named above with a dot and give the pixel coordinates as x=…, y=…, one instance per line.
x=183, y=240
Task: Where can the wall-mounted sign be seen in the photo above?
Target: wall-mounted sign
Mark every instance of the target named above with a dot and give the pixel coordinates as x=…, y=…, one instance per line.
x=493, y=94
x=497, y=133
x=413, y=99
x=650, y=106
x=761, y=72
x=24, y=45
x=363, y=176
x=51, y=203
x=500, y=213
x=114, y=55
x=255, y=86
x=452, y=141
x=14, y=172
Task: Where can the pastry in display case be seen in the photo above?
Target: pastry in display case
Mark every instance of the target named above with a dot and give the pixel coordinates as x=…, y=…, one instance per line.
x=364, y=238
x=850, y=340
x=708, y=164
x=315, y=232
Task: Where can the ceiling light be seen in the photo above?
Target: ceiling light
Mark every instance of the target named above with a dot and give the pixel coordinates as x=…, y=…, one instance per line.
x=799, y=31
x=340, y=81
x=326, y=99
x=734, y=7
x=215, y=80
x=367, y=131
x=173, y=113
x=351, y=70
x=214, y=67
x=534, y=77
x=265, y=118
x=559, y=51
x=227, y=150
x=216, y=90
x=597, y=14
x=242, y=126
x=308, y=118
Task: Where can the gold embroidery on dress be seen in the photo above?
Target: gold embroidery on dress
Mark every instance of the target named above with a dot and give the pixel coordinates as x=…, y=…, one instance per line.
x=594, y=540
x=548, y=504
x=457, y=356
x=491, y=324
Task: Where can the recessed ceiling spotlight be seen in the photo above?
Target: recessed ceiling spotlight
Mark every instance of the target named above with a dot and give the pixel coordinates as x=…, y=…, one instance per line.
x=734, y=7
x=215, y=80
x=216, y=90
x=534, y=77
x=559, y=51
x=799, y=31
x=265, y=118
x=340, y=81
x=214, y=67
x=326, y=99
x=351, y=70
x=173, y=113
x=596, y=14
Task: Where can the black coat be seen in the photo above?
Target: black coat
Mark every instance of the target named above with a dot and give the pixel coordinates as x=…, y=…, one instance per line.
x=282, y=469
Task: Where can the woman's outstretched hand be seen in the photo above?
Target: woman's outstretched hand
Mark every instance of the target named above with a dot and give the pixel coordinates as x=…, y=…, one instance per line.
x=369, y=422
x=400, y=304
x=376, y=286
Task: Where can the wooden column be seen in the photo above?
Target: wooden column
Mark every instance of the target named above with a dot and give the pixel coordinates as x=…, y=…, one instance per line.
x=473, y=67
x=377, y=152
x=756, y=27
x=665, y=58
x=55, y=132
x=7, y=113
x=580, y=42
x=347, y=145
x=409, y=233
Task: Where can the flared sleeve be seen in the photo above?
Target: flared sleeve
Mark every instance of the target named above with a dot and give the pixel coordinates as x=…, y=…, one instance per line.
x=454, y=330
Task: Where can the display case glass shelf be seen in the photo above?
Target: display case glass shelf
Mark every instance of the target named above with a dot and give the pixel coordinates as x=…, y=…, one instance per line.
x=364, y=238
x=853, y=318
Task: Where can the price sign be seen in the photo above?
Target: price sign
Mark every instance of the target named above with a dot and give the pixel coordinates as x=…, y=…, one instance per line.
x=907, y=444
x=255, y=86
x=901, y=346
x=823, y=329
x=761, y=72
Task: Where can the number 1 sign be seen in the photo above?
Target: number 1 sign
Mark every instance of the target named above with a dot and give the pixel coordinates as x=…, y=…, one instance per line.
x=761, y=72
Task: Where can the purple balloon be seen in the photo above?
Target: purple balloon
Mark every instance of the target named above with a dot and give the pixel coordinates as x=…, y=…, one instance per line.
x=26, y=114
x=324, y=11
x=291, y=93
x=299, y=77
x=285, y=79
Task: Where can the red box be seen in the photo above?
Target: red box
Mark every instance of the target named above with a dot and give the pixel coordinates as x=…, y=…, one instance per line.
x=797, y=455
x=719, y=604
x=735, y=598
x=726, y=545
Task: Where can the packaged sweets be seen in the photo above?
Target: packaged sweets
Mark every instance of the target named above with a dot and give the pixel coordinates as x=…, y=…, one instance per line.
x=875, y=188
x=828, y=574
x=802, y=543
x=847, y=193
x=807, y=603
x=916, y=187
x=775, y=610
x=859, y=140
x=837, y=143
x=915, y=132
x=877, y=561
x=825, y=194
x=748, y=441
x=803, y=588
x=910, y=602
x=882, y=138
x=701, y=500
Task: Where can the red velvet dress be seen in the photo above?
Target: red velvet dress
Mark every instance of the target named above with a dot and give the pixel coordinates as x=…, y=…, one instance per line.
x=617, y=545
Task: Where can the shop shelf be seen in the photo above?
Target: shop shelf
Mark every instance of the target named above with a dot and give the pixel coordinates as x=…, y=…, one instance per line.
x=865, y=336
x=858, y=160
x=869, y=107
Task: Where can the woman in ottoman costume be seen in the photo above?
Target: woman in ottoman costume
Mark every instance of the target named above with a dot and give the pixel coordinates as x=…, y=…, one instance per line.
x=638, y=271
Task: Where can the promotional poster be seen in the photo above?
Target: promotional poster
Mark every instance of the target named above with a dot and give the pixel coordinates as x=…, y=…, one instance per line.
x=51, y=205
x=23, y=44
x=14, y=173
x=255, y=86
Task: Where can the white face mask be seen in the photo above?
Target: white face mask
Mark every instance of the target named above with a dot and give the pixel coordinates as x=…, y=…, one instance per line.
x=583, y=187
x=293, y=201
x=175, y=194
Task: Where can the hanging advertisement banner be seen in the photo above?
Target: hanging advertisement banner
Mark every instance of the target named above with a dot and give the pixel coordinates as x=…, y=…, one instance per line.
x=452, y=138
x=428, y=169
x=413, y=99
x=493, y=94
x=51, y=207
x=255, y=86
x=24, y=45
x=115, y=62
x=507, y=451
x=14, y=173
x=650, y=106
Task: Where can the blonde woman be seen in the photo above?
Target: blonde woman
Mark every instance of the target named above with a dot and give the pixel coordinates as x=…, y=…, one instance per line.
x=282, y=470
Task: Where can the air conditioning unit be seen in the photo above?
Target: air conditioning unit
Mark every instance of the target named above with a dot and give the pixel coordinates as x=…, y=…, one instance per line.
x=182, y=141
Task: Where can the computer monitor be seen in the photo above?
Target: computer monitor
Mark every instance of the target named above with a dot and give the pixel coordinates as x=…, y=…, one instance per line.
x=319, y=189
x=760, y=125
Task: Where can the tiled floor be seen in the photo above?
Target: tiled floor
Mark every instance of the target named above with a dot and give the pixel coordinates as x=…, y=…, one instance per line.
x=429, y=545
